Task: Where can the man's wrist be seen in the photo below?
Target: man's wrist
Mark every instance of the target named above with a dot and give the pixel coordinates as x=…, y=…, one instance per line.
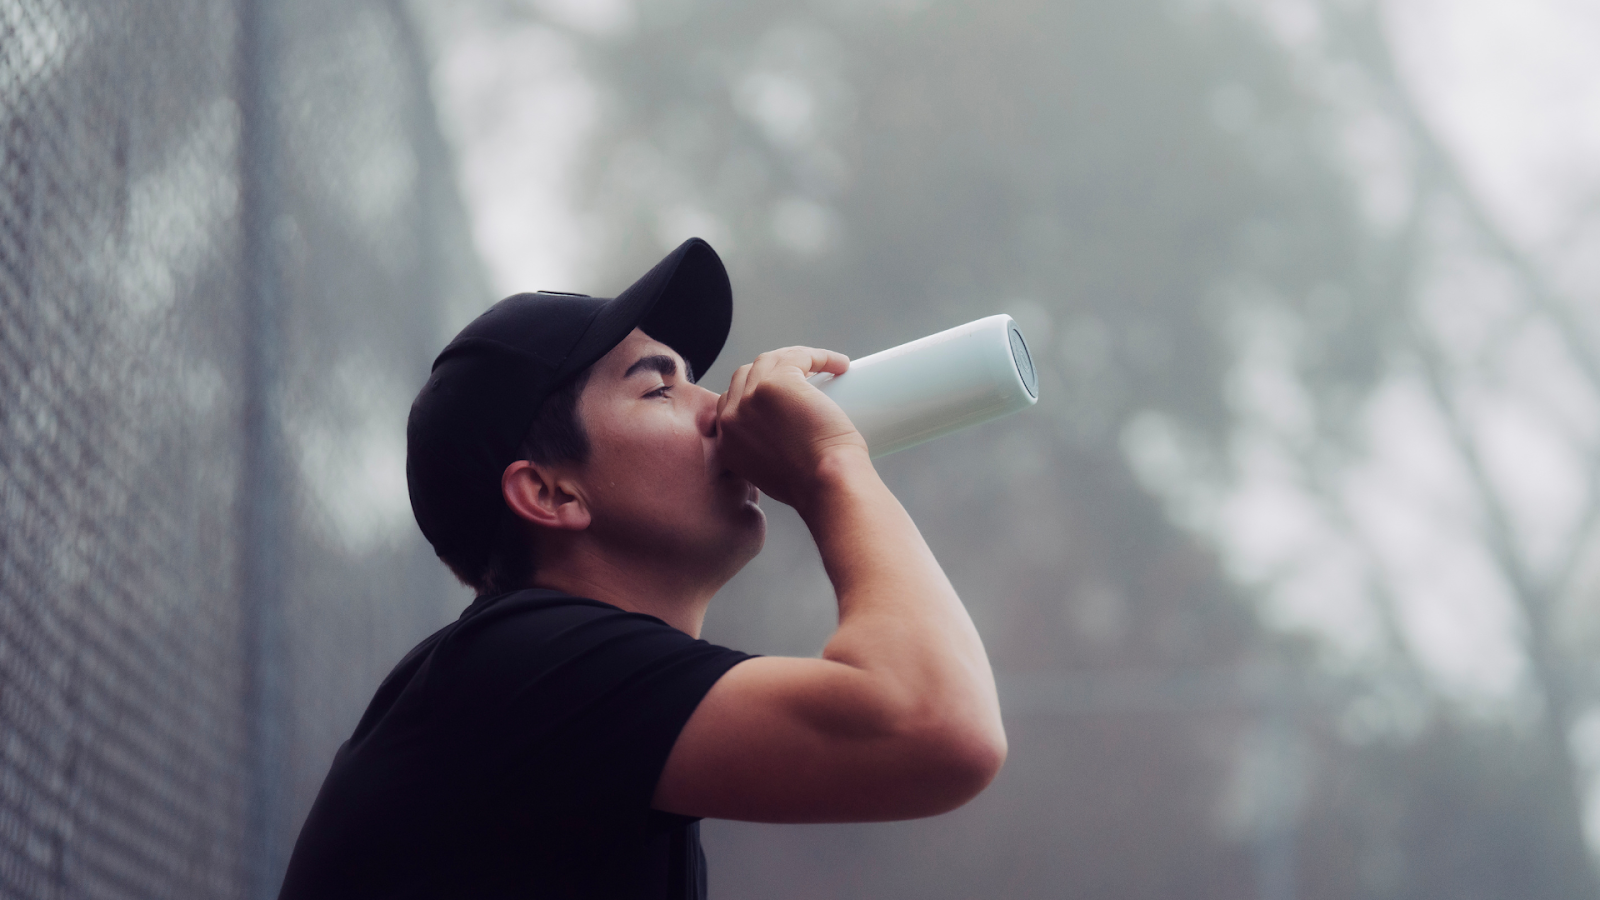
x=842, y=472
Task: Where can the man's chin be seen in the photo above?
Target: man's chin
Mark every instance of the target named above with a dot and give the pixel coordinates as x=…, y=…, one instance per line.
x=756, y=525
x=752, y=543
x=752, y=533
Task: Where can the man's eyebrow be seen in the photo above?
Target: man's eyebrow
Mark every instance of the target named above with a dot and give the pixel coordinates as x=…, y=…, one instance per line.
x=660, y=364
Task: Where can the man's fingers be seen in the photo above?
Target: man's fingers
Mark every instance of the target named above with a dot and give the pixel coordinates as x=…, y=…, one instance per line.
x=728, y=402
x=806, y=361
x=760, y=370
x=831, y=361
x=809, y=360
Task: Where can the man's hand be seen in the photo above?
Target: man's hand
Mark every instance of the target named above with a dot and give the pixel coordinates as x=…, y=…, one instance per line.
x=776, y=430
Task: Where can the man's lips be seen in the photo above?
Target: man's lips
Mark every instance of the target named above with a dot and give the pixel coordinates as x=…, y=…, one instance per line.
x=751, y=492
x=722, y=473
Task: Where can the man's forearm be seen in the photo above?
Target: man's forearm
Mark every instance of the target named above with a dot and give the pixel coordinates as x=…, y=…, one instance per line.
x=899, y=617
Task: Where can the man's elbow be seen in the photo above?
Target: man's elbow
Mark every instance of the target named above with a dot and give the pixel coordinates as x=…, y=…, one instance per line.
x=977, y=760
x=965, y=758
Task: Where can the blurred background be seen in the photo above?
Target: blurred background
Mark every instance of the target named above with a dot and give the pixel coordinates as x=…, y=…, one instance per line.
x=1291, y=579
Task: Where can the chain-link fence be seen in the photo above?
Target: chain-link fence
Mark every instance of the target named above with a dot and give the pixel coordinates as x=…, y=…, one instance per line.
x=227, y=239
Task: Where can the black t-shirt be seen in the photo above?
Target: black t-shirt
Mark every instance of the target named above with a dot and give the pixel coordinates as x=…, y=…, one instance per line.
x=514, y=754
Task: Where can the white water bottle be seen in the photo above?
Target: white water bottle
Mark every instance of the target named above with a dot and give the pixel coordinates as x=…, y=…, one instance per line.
x=915, y=392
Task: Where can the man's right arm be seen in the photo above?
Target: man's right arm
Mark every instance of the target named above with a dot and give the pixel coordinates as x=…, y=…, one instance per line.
x=899, y=718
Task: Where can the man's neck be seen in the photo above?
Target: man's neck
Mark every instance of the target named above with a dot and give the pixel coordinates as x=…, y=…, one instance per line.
x=663, y=590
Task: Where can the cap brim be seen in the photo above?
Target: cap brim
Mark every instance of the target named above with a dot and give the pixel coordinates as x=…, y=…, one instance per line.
x=685, y=302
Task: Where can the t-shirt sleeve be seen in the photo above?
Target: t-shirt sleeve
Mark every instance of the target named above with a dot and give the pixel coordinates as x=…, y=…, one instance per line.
x=569, y=710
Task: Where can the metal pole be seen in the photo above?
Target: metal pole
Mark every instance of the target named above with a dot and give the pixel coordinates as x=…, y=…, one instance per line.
x=264, y=500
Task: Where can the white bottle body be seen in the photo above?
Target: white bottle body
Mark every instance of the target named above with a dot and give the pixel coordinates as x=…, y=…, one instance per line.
x=944, y=382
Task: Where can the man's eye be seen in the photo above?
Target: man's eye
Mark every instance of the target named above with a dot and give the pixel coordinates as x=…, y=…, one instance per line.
x=660, y=391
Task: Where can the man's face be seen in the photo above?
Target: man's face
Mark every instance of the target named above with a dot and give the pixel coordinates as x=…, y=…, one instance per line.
x=653, y=481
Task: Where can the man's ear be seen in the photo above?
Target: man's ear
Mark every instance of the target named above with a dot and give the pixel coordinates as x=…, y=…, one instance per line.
x=538, y=495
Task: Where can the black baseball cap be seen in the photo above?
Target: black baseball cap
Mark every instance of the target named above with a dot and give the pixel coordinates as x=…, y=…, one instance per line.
x=487, y=384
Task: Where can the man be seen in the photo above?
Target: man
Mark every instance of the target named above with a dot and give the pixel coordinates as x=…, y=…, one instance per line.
x=565, y=735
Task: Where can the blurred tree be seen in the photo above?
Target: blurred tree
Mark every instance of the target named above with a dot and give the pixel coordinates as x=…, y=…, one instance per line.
x=1452, y=485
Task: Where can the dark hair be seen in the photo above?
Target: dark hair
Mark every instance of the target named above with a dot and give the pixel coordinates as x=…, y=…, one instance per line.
x=556, y=436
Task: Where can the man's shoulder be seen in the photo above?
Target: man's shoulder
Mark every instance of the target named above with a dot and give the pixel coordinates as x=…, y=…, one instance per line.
x=526, y=601
x=543, y=610
x=526, y=632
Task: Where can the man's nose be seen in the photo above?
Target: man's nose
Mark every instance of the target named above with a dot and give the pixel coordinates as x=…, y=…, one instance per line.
x=705, y=414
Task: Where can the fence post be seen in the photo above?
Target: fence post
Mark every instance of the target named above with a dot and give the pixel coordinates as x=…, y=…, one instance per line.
x=265, y=495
